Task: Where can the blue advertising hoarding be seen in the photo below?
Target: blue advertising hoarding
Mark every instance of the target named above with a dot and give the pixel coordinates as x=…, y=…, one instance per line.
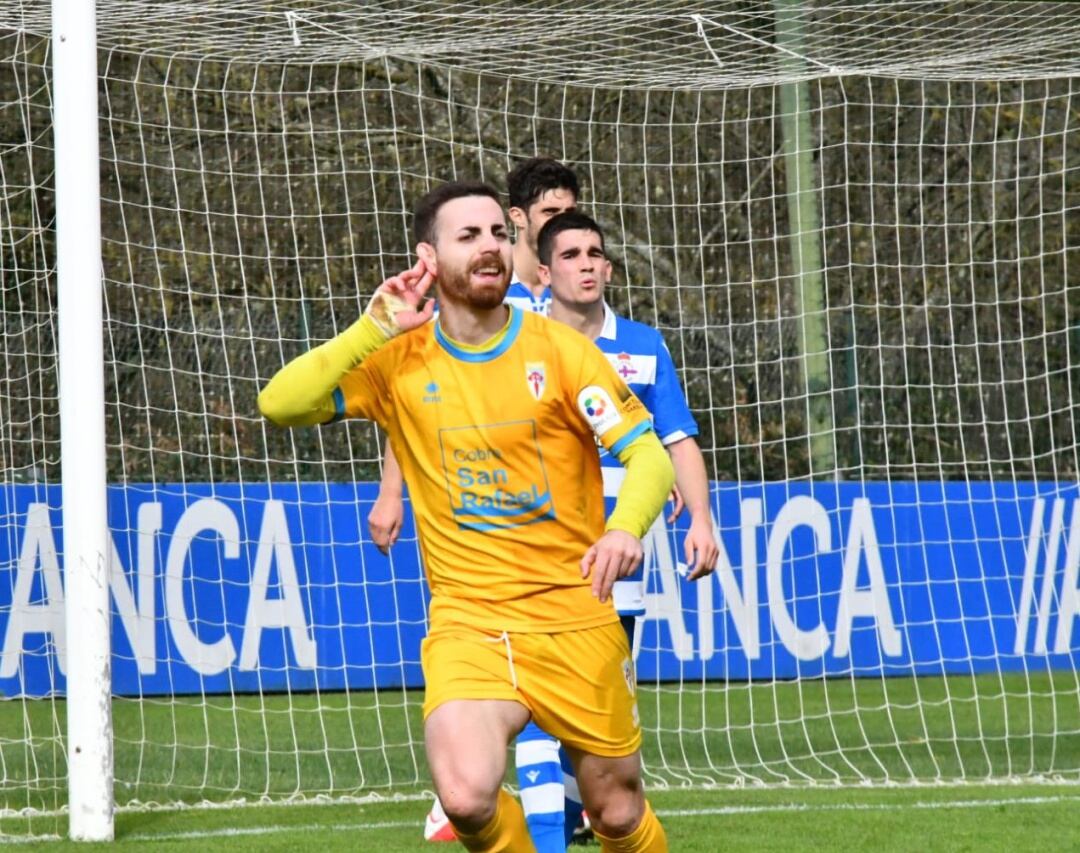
x=236, y=588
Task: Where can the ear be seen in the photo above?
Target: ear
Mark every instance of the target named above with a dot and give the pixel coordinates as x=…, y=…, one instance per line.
x=607, y=271
x=426, y=253
x=544, y=274
x=518, y=217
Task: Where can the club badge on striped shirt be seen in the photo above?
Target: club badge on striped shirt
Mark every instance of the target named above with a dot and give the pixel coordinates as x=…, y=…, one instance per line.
x=624, y=366
x=535, y=376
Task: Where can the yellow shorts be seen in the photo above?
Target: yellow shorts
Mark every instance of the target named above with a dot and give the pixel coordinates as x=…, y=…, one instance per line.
x=578, y=685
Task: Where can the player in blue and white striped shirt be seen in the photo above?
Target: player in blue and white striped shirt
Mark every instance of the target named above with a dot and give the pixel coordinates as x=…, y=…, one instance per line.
x=574, y=263
x=539, y=189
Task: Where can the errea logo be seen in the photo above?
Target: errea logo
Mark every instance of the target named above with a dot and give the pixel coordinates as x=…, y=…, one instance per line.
x=431, y=393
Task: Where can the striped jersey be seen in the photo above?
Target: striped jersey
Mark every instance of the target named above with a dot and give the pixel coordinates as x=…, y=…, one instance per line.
x=520, y=295
x=641, y=358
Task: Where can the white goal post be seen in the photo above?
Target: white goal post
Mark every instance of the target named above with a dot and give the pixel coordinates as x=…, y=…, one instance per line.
x=855, y=224
x=80, y=362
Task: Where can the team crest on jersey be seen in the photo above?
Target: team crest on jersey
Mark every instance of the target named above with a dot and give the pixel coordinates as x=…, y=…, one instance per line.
x=625, y=366
x=536, y=377
x=628, y=675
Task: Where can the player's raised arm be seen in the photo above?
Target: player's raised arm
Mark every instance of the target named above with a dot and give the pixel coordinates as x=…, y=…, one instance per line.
x=302, y=392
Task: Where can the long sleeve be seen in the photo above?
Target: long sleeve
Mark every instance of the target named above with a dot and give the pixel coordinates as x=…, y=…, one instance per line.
x=302, y=393
x=649, y=478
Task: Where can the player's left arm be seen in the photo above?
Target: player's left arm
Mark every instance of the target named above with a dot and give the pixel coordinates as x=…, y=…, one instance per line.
x=648, y=481
x=693, y=482
x=621, y=423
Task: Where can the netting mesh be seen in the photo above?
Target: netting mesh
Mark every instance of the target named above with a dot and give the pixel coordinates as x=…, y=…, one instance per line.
x=258, y=167
x=275, y=198
x=660, y=44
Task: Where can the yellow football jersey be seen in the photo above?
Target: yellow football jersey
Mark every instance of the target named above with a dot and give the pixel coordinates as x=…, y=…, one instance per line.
x=498, y=447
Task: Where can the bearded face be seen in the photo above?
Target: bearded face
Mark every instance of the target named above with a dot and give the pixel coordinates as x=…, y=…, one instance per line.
x=470, y=255
x=480, y=282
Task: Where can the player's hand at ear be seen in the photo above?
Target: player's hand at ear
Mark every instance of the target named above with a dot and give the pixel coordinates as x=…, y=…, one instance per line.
x=616, y=554
x=398, y=304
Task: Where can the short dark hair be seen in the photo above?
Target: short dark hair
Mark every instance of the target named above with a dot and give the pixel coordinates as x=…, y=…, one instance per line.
x=427, y=208
x=531, y=179
x=571, y=220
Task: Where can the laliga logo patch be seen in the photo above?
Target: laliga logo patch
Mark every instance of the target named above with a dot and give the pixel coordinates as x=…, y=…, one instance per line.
x=598, y=408
x=535, y=375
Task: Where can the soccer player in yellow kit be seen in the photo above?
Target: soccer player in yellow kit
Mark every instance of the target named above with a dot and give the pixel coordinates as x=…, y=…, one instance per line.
x=494, y=416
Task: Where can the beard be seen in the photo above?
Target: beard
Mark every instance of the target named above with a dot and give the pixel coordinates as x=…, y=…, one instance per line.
x=455, y=285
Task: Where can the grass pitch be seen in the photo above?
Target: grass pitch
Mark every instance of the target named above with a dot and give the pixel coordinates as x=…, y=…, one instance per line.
x=736, y=767
x=966, y=818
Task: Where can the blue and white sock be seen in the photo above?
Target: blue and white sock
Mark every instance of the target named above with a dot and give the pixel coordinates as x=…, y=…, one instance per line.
x=540, y=779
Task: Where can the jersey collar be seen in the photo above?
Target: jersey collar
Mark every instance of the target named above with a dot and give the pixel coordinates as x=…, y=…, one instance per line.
x=608, y=329
x=499, y=344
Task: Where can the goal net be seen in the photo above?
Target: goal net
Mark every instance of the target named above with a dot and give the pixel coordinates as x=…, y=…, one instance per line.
x=857, y=227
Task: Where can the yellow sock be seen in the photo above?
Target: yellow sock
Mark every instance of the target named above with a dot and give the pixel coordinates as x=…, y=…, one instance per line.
x=649, y=837
x=506, y=833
